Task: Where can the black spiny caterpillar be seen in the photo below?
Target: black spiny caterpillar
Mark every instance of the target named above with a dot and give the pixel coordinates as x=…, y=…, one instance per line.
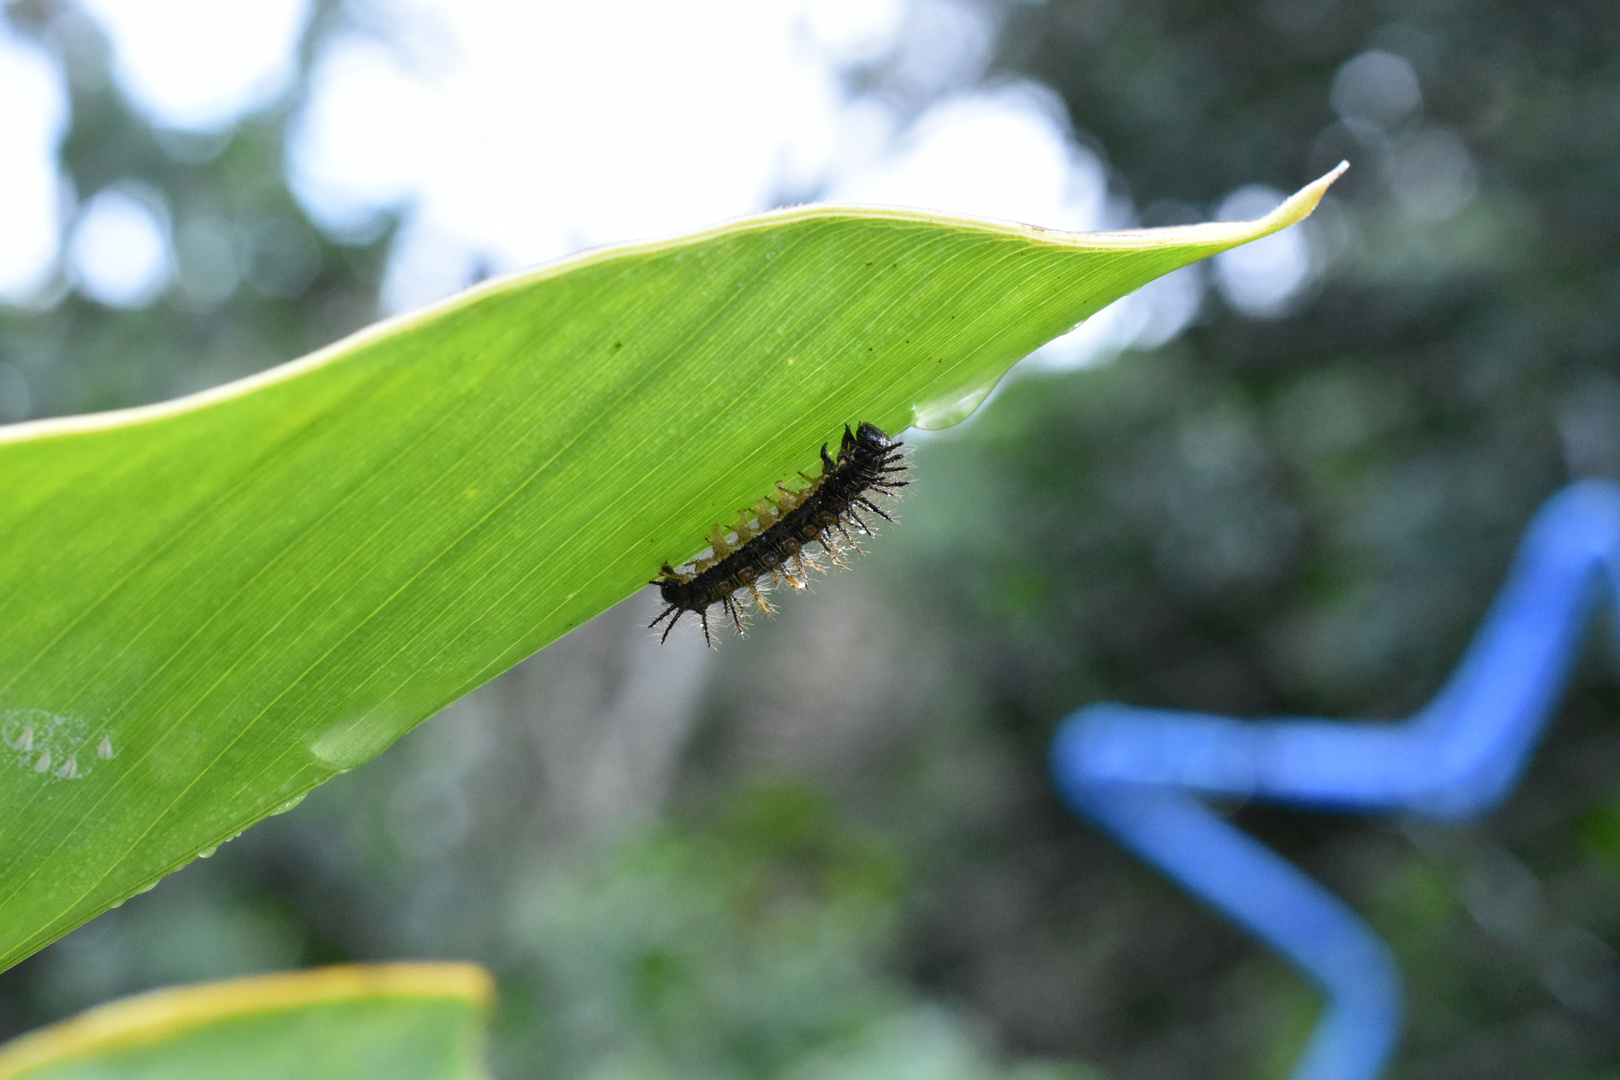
x=772, y=542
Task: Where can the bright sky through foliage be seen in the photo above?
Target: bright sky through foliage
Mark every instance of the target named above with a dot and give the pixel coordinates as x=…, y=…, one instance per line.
x=196, y=65
x=32, y=122
x=511, y=134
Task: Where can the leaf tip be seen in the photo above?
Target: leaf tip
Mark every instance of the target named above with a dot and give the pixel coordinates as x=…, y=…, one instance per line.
x=1298, y=206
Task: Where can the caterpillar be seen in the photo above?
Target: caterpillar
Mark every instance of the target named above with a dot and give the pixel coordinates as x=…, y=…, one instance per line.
x=771, y=541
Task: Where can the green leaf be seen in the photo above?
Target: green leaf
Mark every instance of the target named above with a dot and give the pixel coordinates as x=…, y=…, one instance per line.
x=210, y=606
x=388, y=1022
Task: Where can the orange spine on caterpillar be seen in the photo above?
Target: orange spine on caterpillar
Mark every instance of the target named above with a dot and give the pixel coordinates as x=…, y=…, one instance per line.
x=771, y=542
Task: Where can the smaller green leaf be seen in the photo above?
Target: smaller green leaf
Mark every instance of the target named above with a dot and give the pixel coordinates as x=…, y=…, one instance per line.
x=386, y=1021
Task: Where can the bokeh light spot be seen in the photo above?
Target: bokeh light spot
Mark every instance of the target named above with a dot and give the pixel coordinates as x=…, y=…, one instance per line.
x=1377, y=87
x=119, y=253
x=209, y=257
x=1261, y=278
x=1432, y=175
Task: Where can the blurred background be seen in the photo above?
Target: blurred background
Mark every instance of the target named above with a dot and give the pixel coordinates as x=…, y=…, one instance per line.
x=1286, y=481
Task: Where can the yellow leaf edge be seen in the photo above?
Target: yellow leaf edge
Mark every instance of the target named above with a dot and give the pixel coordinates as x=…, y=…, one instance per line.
x=1209, y=238
x=145, y=1019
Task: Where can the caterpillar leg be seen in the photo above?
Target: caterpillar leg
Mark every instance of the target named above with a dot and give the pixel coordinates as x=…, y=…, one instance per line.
x=736, y=616
x=672, y=622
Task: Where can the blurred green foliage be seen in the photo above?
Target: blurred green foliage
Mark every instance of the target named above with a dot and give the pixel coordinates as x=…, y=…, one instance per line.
x=746, y=946
x=1303, y=514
